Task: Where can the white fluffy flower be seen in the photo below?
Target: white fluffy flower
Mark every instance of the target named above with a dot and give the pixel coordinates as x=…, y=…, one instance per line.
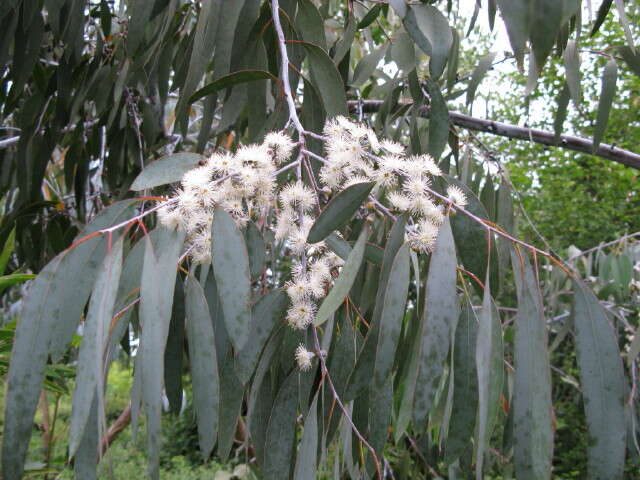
x=423, y=236
x=303, y=358
x=301, y=314
x=399, y=201
x=170, y=217
x=392, y=147
x=280, y=145
x=456, y=195
x=297, y=194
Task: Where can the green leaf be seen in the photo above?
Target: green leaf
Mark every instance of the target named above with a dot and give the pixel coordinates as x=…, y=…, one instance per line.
x=624, y=20
x=281, y=431
x=255, y=249
x=308, y=452
x=167, y=169
x=438, y=121
x=174, y=351
x=517, y=16
x=465, y=386
x=204, y=365
x=235, y=78
x=140, y=11
x=339, y=210
x=441, y=311
x=603, y=384
x=7, y=250
x=370, y=16
x=231, y=394
x=632, y=58
x=266, y=317
x=484, y=65
x=50, y=315
x=395, y=300
x=343, y=46
x=156, y=299
x=561, y=113
x=14, y=278
x=607, y=92
x=431, y=32
x=89, y=374
x=326, y=79
x=231, y=270
x=532, y=407
x=310, y=24
x=343, y=283
x=489, y=358
x=571, y=57
x=603, y=10
x=367, y=65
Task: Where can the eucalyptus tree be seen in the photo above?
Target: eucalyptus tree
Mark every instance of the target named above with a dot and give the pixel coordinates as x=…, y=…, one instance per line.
x=269, y=197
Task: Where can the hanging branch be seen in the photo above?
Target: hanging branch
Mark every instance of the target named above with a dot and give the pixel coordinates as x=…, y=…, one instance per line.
x=568, y=142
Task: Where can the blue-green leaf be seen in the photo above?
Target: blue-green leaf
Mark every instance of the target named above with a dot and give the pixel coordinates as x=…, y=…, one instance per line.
x=339, y=210
x=344, y=282
x=532, y=408
x=440, y=314
x=603, y=384
x=607, y=92
x=167, y=169
x=308, y=452
x=204, y=365
x=231, y=271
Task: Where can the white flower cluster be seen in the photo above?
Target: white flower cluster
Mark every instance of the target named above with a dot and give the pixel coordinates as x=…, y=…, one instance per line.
x=354, y=154
x=242, y=183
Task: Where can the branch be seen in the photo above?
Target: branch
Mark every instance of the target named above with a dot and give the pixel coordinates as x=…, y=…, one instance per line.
x=568, y=142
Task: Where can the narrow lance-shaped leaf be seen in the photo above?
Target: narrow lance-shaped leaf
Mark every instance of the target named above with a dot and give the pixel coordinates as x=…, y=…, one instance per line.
x=307, y=455
x=532, y=422
x=489, y=358
x=167, y=169
x=484, y=65
x=431, y=32
x=281, y=430
x=571, y=57
x=395, y=300
x=607, y=92
x=344, y=282
x=326, y=79
x=50, y=314
x=465, y=385
x=439, y=317
x=156, y=299
x=231, y=271
x=517, y=18
x=89, y=375
x=339, y=210
x=603, y=385
x=235, y=78
x=204, y=365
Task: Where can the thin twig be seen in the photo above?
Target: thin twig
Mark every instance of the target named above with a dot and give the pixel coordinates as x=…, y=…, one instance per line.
x=325, y=374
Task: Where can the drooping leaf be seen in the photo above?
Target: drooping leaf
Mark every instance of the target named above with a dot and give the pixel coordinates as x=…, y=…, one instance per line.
x=546, y=19
x=624, y=20
x=267, y=315
x=281, y=430
x=309, y=23
x=561, y=113
x=370, y=16
x=484, y=65
x=438, y=121
x=167, y=169
x=156, y=298
x=173, y=353
x=306, y=459
x=395, y=300
x=231, y=270
x=231, y=394
x=343, y=283
x=631, y=57
x=7, y=250
x=255, y=249
x=603, y=10
x=89, y=374
x=517, y=15
x=532, y=421
x=440, y=314
x=465, y=386
x=339, y=210
x=326, y=79
x=235, y=78
x=607, y=92
x=367, y=65
x=571, y=57
x=50, y=315
x=204, y=365
x=603, y=384
x=489, y=358
x=343, y=45
x=431, y=32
